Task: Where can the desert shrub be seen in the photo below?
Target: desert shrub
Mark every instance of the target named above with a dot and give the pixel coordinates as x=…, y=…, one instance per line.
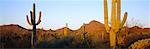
x=14, y=40
x=56, y=43
x=141, y=44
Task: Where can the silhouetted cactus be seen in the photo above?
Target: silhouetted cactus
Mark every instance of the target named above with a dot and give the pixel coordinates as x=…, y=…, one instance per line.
x=33, y=23
x=115, y=20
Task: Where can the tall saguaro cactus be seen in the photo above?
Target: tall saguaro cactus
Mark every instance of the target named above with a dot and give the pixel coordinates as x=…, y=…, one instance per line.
x=116, y=23
x=33, y=23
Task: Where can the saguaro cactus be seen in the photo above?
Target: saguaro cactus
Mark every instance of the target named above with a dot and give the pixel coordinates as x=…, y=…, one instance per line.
x=66, y=30
x=85, y=41
x=33, y=23
x=116, y=23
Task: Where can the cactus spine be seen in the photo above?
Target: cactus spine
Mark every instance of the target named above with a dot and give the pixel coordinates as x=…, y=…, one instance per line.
x=33, y=23
x=116, y=23
x=66, y=30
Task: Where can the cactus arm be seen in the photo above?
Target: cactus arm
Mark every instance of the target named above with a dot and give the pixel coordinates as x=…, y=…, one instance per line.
x=39, y=20
x=28, y=20
x=106, y=16
x=113, y=14
x=31, y=15
x=118, y=14
x=124, y=19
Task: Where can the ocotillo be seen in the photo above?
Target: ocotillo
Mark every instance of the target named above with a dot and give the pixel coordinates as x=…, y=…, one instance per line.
x=116, y=23
x=33, y=23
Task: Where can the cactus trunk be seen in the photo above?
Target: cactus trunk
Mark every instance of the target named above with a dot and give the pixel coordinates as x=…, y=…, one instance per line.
x=116, y=23
x=34, y=27
x=34, y=36
x=33, y=23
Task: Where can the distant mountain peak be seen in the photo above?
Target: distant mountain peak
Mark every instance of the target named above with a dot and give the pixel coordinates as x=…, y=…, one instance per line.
x=92, y=26
x=95, y=22
x=136, y=27
x=13, y=26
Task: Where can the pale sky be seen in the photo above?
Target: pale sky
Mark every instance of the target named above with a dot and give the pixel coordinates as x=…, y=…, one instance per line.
x=55, y=13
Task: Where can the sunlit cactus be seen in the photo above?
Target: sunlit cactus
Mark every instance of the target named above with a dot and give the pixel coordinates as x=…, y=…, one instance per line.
x=33, y=23
x=116, y=23
x=66, y=30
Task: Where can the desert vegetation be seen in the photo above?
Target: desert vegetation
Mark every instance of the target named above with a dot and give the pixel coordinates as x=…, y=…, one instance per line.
x=87, y=36
x=141, y=44
x=90, y=35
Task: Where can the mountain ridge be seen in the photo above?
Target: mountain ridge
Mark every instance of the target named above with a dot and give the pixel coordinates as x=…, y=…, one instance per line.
x=15, y=33
x=93, y=23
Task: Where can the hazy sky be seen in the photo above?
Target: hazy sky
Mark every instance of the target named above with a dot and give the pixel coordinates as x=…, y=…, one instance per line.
x=55, y=13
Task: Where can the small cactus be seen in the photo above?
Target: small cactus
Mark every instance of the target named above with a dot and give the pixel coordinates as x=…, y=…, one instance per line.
x=66, y=30
x=85, y=41
x=33, y=23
